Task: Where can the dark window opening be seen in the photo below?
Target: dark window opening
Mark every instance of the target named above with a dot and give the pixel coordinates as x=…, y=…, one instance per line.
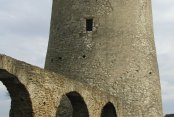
x=89, y=24
x=84, y=56
x=52, y=60
x=60, y=58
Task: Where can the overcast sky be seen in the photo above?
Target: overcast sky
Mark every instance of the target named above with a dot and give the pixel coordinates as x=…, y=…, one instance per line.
x=24, y=32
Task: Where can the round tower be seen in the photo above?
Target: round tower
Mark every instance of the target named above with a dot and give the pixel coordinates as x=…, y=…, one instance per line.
x=108, y=44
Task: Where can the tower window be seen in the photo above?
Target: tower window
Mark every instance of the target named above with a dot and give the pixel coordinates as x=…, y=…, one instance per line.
x=89, y=24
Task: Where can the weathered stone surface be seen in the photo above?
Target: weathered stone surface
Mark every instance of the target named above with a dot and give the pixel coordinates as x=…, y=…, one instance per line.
x=117, y=56
x=110, y=67
x=36, y=92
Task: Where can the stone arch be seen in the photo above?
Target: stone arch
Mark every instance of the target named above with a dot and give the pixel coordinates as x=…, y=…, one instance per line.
x=109, y=110
x=21, y=105
x=72, y=105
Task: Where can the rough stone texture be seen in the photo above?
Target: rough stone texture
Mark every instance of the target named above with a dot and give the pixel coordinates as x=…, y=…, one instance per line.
x=109, y=71
x=38, y=93
x=118, y=56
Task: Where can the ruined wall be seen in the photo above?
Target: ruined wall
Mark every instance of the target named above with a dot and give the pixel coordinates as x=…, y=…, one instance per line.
x=42, y=91
x=117, y=56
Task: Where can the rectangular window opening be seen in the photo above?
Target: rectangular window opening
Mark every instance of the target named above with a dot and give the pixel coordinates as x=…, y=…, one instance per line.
x=89, y=24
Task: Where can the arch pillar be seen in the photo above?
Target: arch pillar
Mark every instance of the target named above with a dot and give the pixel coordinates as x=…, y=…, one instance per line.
x=21, y=105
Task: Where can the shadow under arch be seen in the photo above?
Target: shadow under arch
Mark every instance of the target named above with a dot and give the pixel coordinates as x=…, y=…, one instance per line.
x=72, y=105
x=109, y=110
x=21, y=105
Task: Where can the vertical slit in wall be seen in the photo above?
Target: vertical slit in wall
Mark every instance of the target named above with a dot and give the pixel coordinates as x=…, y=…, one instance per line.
x=89, y=24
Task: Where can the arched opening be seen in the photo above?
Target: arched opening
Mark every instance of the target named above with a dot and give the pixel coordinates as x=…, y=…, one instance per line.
x=21, y=105
x=72, y=105
x=109, y=110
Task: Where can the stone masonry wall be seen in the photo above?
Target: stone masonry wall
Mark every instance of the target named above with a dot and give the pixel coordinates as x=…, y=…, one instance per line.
x=118, y=56
x=40, y=91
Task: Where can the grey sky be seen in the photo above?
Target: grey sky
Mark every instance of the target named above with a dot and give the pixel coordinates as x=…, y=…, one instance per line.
x=163, y=15
x=24, y=32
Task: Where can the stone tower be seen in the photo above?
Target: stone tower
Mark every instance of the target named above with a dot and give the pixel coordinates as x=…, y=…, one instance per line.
x=108, y=44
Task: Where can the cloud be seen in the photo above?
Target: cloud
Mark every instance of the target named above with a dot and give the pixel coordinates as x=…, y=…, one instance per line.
x=25, y=17
x=163, y=15
x=5, y=108
x=24, y=29
x=3, y=92
x=4, y=101
x=31, y=50
x=167, y=88
x=168, y=96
